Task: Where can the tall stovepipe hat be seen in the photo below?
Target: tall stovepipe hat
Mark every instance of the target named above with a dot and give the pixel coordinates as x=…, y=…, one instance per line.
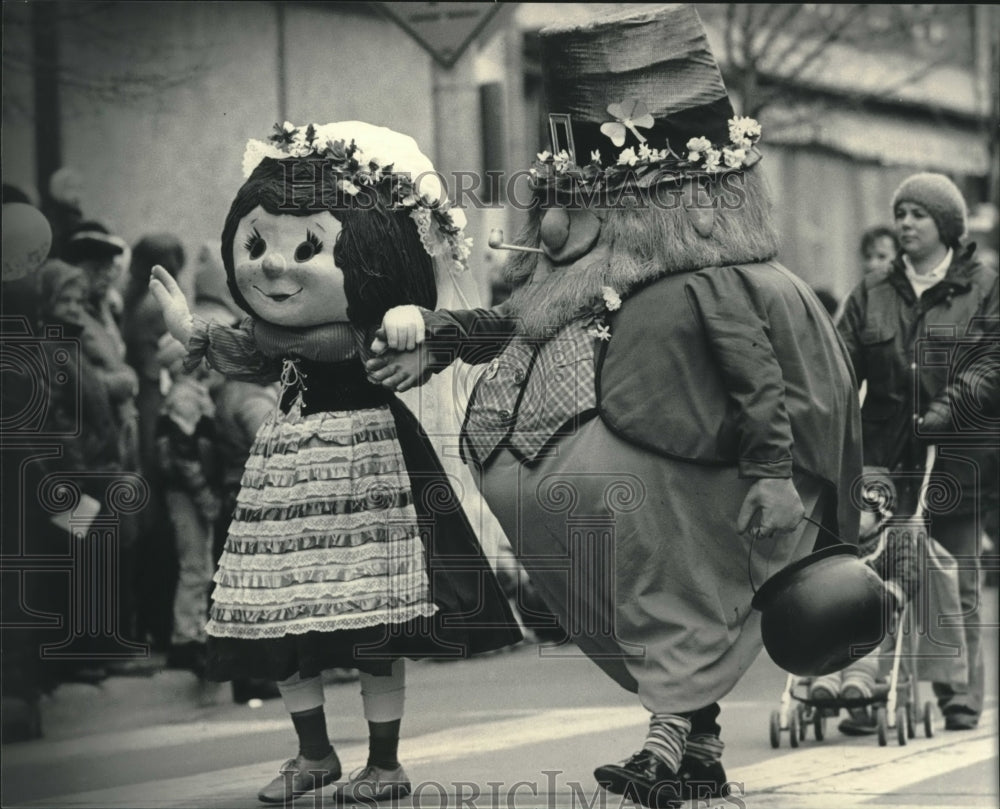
x=635, y=95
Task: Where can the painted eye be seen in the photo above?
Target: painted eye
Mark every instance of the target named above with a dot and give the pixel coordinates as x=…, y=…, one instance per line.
x=255, y=244
x=309, y=248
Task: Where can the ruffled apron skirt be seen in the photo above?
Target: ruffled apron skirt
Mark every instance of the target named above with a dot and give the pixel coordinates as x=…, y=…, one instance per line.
x=324, y=539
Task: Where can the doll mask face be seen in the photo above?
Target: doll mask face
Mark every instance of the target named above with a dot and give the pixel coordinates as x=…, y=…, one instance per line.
x=285, y=270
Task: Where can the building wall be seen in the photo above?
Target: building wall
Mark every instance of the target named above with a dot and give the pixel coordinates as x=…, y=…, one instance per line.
x=17, y=146
x=170, y=160
x=160, y=98
x=823, y=203
x=357, y=67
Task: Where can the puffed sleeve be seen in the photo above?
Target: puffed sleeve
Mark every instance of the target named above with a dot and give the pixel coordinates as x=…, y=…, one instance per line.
x=736, y=328
x=230, y=350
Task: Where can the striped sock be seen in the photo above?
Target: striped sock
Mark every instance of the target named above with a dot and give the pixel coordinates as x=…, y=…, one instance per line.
x=704, y=747
x=666, y=737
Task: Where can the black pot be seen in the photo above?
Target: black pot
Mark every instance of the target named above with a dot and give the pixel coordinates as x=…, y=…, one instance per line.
x=822, y=612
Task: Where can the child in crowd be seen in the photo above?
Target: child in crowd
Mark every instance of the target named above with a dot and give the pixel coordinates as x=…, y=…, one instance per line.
x=893, y=555
x=879, y=247
x=186, y=452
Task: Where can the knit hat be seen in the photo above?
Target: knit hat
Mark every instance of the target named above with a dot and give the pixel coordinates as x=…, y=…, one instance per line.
x=941, y=199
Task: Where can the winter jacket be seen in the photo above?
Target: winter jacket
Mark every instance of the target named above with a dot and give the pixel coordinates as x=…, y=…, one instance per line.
x=186, y=446
x=79, y=409
x=936, y=352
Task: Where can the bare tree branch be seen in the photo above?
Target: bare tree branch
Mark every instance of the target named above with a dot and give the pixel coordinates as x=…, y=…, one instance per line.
x=911, y=78
x=823, y=45
x=791, y=11
x=728, y=34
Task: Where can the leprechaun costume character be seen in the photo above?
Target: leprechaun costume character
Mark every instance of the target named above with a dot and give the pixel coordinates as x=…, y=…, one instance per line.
x=657, y=391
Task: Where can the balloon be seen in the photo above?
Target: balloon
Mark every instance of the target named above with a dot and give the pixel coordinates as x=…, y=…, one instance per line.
x=27, y=237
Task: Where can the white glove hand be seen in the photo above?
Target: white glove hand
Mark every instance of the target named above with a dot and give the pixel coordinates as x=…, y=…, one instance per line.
x=402, y=330
x=173, y=303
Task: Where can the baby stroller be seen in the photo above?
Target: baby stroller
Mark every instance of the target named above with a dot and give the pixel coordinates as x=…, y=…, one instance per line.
x=894, y=702
x=895, y=698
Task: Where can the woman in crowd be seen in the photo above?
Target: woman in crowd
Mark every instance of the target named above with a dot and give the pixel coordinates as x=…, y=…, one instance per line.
x=919, y=334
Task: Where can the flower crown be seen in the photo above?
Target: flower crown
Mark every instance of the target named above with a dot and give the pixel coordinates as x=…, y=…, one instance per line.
x=408, y=178
x=643, y=163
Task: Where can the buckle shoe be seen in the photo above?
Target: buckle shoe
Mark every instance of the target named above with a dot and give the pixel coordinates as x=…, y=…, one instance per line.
x=644, y=778
x=300, y=775
x=372, y=784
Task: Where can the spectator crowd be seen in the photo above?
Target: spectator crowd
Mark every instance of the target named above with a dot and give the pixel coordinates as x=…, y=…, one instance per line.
x=118, y=409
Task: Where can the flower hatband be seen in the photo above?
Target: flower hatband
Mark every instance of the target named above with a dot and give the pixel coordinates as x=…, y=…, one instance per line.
x=644, y=164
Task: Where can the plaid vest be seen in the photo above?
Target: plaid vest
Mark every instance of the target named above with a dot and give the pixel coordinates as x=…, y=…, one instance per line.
x=532, y=392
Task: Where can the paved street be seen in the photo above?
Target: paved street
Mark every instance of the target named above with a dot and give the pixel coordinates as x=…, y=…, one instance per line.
x=507, y=730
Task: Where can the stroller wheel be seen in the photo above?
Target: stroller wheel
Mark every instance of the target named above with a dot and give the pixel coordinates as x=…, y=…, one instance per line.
x=901, y=725
x=882, y=725
x=793, y=729
x=911, y=720
x=928, y=719
x=775, y=729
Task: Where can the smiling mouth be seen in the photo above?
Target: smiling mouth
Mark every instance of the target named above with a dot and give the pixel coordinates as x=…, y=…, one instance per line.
x=278, y=297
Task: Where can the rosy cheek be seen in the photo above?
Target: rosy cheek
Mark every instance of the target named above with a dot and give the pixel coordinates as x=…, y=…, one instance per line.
x=245, y=273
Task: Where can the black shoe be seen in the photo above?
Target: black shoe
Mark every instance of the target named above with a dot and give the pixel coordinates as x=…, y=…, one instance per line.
x=644, y=778
x=701, y=781
x=958, y=717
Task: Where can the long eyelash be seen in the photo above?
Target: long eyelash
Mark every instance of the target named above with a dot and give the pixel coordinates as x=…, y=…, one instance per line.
x=313, y=239
x=252, y=239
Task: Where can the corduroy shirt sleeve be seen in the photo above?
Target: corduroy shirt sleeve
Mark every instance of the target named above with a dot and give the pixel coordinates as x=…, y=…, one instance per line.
x=735, y=327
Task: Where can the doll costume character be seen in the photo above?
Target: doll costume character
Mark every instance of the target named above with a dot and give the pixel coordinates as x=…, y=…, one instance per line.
x=348, y=548
x=655, y=385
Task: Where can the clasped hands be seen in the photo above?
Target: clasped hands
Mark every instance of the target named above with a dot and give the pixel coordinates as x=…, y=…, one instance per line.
x=401, y=358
